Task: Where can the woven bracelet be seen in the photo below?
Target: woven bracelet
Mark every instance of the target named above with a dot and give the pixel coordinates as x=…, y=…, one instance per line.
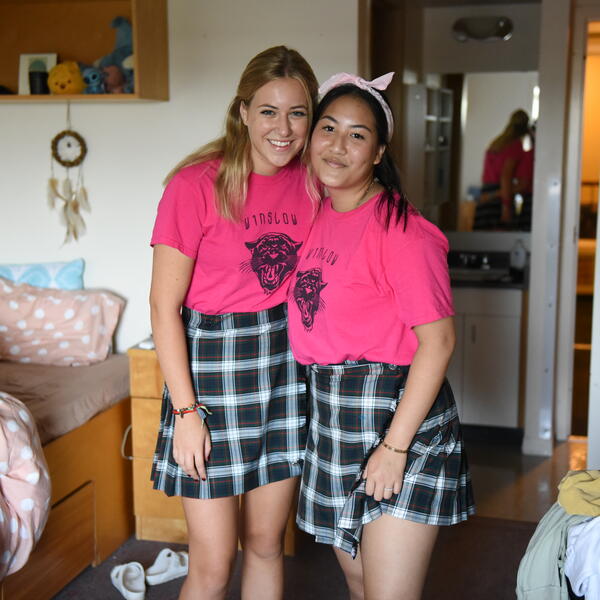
x=201, y=409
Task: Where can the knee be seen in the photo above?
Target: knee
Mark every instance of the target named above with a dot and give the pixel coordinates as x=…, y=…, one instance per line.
x=354, y=581
x=210, y=574
x=265, y=545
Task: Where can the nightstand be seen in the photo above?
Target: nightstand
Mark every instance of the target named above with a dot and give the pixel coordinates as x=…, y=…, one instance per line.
x=157, y=517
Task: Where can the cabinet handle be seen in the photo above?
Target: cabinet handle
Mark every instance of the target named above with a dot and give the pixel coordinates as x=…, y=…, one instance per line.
x=124, y=441
x=473, y=333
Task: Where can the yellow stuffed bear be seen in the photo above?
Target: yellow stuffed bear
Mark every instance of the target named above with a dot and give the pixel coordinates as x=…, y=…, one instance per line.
x=65, y=78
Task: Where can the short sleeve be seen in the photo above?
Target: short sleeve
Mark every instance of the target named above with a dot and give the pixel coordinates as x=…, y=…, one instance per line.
x=181, y=212
x=417, y=271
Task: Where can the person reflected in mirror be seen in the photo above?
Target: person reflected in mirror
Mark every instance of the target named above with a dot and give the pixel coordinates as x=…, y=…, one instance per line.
x=495, y=208
x=231, y=225
x=370, y=313
x=523, y=183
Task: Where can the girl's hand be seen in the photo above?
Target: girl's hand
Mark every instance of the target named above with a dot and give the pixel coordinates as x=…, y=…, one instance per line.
x=384, y=473
x=191, y=445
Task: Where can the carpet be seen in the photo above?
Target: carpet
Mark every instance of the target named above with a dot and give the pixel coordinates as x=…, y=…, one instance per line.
x=476, y=560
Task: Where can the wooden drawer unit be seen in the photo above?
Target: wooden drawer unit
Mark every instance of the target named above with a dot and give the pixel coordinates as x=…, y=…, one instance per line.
x=145, y=378
x=157, y=517
x=56, y=553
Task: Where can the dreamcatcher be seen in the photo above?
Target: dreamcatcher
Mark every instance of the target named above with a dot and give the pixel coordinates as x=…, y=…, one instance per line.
x=69, y=149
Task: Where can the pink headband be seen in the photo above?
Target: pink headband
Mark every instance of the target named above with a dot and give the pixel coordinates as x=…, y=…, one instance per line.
x=380, y=83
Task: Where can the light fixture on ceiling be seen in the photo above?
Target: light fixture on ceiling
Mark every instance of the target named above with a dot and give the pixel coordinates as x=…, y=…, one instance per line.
x=483, y=29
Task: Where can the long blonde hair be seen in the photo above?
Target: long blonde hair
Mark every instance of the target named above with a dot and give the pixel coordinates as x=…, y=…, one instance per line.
x=518, y=126
x=231, y=183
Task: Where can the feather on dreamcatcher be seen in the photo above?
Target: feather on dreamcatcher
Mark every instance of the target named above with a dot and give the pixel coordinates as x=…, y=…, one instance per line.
x=68, y=148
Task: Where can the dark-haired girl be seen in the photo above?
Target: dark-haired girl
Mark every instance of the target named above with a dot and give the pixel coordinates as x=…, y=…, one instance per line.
x=371, y=313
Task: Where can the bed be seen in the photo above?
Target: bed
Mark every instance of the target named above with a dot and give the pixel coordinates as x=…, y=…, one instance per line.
x=81, y=411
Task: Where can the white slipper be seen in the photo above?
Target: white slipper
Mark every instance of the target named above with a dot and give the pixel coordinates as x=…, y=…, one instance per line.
x=129, y=580
x=168, y=565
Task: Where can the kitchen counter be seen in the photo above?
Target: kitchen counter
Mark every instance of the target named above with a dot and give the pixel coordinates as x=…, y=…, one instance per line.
x=504, y=284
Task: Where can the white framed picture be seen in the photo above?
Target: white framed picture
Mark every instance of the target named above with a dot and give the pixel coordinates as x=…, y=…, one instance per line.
x=33, y=63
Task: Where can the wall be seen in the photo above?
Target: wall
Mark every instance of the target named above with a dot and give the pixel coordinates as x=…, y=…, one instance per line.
x=590, y=154
x=443, y=54
x=491, y=98
x=132, y=146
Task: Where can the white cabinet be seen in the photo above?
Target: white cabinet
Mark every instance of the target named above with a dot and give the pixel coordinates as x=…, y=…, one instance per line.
x=485, y=368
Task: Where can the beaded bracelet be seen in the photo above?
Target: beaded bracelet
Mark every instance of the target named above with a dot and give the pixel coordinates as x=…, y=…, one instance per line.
x=397, y=450
x=197, y=407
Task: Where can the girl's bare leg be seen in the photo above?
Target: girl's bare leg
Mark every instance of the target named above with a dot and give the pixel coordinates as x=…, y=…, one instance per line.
x=265, y=513
x=395, y=557
x=212, y=537
x=353, y=572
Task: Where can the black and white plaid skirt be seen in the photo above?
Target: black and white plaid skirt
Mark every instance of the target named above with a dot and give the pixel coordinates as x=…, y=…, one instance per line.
x=244, y=372
x=351, y=408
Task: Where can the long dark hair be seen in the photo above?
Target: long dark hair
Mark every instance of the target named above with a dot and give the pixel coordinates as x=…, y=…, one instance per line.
x=393, y=204
x=516, y=128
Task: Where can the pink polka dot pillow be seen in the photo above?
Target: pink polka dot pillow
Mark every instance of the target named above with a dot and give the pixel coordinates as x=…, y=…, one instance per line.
x=56, y=327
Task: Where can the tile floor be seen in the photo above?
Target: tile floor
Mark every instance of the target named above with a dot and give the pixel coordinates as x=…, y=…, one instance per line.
x=509, y=485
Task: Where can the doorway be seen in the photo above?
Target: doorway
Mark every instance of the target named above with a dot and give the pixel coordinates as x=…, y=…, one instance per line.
x=588, y=213
x=576, y=373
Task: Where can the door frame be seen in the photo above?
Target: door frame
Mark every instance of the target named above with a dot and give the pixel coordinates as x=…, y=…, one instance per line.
x=585, y=11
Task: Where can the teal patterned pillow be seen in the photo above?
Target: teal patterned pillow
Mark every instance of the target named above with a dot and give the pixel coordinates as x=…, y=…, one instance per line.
x=56, y=275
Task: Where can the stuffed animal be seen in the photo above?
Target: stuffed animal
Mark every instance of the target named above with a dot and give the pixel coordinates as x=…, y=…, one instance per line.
x=123, y=46
x=114, y=80
x=65, y=78
x=127, y=68
x=94, y=80
x=121, y=57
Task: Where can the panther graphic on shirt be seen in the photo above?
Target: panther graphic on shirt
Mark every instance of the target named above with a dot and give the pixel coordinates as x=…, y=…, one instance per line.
x=274, y=257
x=307, y=294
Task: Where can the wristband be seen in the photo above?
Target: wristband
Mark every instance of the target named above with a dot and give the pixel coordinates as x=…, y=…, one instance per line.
x=397, y=450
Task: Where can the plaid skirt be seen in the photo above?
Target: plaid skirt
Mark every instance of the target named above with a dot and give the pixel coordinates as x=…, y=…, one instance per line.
x=352, y=406
x=244, y=372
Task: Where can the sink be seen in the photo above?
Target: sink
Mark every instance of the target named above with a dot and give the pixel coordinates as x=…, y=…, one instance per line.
x=472, y=274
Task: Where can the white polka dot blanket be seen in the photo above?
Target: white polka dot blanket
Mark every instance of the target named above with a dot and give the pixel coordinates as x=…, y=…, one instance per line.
x=24, y=485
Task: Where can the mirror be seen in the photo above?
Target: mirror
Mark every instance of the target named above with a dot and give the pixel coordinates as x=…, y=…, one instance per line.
x=483, y=105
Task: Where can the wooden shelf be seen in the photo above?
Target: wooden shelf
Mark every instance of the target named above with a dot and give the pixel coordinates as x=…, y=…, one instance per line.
x=73, y=98
x=80, y=30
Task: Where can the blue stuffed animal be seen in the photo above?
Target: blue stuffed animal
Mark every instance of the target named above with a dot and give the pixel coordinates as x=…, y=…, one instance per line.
x=123, y=44
x=122, y=55
x=94, y=80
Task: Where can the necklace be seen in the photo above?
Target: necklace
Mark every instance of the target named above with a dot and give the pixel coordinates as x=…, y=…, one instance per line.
x=363, y=198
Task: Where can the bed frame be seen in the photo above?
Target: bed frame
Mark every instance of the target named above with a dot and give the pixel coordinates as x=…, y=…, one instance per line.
x=92, y=506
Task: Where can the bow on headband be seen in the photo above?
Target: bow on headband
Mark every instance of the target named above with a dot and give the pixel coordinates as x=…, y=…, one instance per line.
x=380, y=83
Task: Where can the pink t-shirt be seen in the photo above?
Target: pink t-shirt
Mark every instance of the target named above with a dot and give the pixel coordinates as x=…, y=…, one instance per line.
x=494, y=161
x=358, y=289
x=240, y=267
x=524, y=171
